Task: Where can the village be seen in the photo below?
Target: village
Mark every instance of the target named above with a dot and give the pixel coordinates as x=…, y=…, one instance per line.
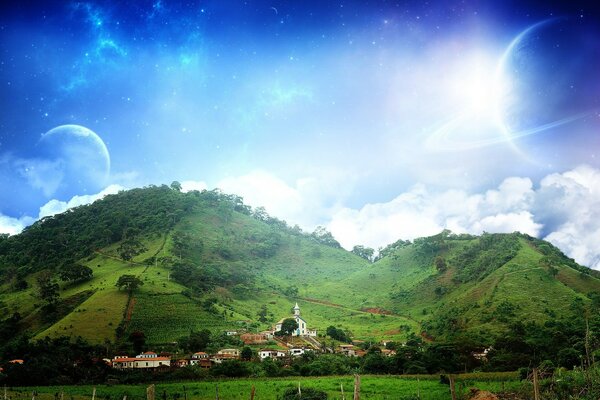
x=299, y=341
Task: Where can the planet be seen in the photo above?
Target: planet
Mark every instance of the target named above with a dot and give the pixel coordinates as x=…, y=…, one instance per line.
x=548, y=77
x=70, y=160
x=546, y=81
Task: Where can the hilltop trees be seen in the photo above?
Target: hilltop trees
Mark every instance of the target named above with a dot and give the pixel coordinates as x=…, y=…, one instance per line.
x=363, y=252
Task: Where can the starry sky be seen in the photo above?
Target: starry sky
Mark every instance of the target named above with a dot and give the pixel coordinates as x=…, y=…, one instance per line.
x=379, y=120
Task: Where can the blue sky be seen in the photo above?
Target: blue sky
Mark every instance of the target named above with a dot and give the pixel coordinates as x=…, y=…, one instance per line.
x=377, y=119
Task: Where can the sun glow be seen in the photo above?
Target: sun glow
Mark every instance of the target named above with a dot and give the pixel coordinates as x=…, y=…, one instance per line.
x=475, y=86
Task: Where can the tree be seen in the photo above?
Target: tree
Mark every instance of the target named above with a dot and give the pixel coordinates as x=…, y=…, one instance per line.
x=288, y=326
x=129, y=282
x=262, y=314
x=130, y=248
x=75, y=273
x=175, y=185
x=246, y=354
x=440, y=264
x=138, y=340
x=553, y=271
x=47, y=288
x=364, y=252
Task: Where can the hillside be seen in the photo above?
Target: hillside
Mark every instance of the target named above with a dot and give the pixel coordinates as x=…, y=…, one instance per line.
x=206, y=260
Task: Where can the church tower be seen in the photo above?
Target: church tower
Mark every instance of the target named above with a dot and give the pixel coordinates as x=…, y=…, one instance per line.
x=296, y=310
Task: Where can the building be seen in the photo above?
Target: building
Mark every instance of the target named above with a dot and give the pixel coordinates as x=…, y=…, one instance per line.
x=141, y=361
x=271, y=353
x=297, y=351
x=229, y=352
x=253, y=338
x=303, y=329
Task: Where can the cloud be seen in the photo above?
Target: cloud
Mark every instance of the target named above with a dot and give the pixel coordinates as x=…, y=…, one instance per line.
x=564, y=209
x=421, y=212
x=188, y=186
x=12, y=226
x=569, y=203
x=54, y=206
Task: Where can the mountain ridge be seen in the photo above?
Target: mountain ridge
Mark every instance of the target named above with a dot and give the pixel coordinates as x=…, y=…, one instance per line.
x=207, y=260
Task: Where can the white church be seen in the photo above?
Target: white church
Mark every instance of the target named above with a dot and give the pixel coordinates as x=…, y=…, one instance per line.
x=302, y=330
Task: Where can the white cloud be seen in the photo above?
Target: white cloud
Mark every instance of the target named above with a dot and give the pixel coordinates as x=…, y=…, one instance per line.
x=308, y=202
x=420, y=212
x=569, y=203
x=12, y=226
x=56, y=206
x=564, y=210
x=188, y=186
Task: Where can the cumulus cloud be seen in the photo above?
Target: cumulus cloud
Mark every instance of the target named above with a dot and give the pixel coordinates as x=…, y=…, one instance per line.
x=307, y=202
x=12, y=226
x=421, y=212
x=564, y=209
x=54, y=207
x=569, y=205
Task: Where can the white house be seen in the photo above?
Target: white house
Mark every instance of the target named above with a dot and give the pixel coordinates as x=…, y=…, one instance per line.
x=303, y=329
x=141, y=361
x=271, y=353
x=297, y=351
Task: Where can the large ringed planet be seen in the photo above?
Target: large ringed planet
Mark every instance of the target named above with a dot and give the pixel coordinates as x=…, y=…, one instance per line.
x=539, y=85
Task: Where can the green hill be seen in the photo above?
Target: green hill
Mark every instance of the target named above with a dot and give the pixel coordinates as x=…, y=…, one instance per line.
x=207, y=261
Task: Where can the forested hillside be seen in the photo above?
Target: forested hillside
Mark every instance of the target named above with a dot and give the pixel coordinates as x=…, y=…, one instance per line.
x=165, y=263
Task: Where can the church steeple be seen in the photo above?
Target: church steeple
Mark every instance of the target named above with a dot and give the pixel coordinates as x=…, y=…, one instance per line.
x=296, y=310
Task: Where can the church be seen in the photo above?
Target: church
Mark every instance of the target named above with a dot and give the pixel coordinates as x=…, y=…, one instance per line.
x=303, y=329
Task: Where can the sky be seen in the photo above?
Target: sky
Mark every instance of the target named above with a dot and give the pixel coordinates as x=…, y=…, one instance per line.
x=379, y=120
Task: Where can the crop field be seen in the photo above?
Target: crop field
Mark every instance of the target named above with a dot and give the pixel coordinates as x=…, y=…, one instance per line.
x=427, y=387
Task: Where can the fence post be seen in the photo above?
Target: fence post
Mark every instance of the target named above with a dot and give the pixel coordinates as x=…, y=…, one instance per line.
x=342, y=389
x=356, y=387
x=452, y=389
x=536, y=389
x=252, y=392
x=5, y=394
x=299, y=391
x=94, y=393
x=150, y=392
x=217, y=391
x=418, y=389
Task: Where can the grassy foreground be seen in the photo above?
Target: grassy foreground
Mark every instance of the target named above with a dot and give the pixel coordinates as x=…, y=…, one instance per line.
x=373, y=387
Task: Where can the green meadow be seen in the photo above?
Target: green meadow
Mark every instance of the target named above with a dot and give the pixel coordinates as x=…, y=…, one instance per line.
x=427, y=387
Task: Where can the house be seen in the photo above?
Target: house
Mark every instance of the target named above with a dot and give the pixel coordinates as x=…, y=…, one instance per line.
x=17, y=361
x=347, y=349
x=219, y=358
x=231, y=333
x=270, y=353
x=141, y=361
x=181, y=363
x=253, y=338
x=230, y=352
x=302, y=329
x=388, y=352
x=201, y=359
x=297, y=351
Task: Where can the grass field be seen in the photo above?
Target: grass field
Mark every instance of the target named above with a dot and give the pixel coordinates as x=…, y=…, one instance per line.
x=428, y=387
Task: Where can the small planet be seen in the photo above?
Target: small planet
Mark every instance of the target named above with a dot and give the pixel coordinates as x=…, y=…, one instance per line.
x=71, y=160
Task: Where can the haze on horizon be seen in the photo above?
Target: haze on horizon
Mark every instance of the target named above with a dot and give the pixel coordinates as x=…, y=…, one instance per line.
x=378, y=120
